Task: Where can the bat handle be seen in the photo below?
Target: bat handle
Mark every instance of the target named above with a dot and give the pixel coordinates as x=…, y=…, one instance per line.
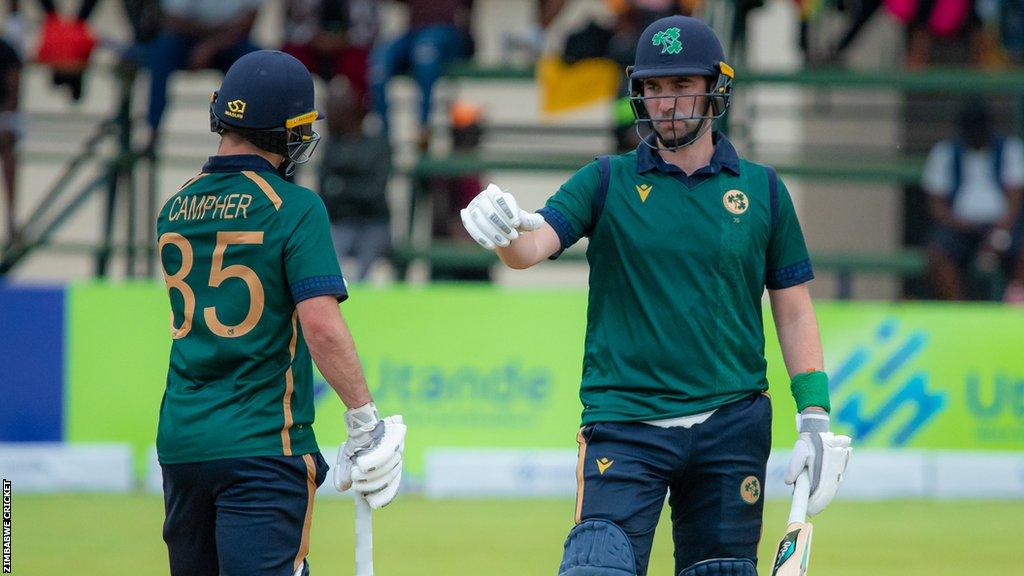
x=801, y=493
x=364, y=537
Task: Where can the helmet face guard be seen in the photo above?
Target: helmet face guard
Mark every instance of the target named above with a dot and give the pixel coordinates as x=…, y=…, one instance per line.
x=301, y=140
x=687, y=122
x=296, y=140
x=300, y=144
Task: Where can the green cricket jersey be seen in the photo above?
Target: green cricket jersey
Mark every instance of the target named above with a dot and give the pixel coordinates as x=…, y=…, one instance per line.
x=678, y=266
x=240, y=246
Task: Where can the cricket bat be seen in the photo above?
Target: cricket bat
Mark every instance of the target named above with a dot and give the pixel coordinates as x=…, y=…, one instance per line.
x=795, y=548
x=364, y=537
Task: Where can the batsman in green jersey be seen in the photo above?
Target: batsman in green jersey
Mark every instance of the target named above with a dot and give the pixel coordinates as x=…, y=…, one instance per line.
x=254, y=286
x=684, y=237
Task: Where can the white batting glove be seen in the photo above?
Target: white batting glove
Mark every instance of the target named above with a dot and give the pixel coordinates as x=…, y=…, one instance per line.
x=370, y=461
x=823, y=454
x=495, y=219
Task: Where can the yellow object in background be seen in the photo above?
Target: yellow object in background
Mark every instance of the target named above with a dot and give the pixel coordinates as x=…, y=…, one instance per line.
x=566, y=87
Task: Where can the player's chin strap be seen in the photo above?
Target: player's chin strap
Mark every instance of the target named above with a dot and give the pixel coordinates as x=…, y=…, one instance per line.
x=721, y=567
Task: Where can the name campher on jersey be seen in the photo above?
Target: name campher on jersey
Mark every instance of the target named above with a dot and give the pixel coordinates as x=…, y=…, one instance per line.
x=226, y=207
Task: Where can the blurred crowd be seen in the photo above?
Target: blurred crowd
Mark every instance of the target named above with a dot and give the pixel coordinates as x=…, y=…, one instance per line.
x=974, y=179
x=994, y=28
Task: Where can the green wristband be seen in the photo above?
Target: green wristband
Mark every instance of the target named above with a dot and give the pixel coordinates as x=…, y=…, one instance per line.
x=810, y=389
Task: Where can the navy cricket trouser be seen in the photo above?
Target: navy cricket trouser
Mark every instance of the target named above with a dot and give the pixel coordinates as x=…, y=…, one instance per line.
x=240, y=516
x=714, y=473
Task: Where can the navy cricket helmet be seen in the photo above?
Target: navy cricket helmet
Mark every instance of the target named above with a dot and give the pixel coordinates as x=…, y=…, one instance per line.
x=267, y=98
x=680, y=46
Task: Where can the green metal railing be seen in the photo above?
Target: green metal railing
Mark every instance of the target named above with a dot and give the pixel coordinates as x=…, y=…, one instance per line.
x=818, y=164
x=947, y=80
x=118, y=175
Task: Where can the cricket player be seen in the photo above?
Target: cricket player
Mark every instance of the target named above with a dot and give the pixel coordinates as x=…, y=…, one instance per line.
x=254, y=287
x=684, y=238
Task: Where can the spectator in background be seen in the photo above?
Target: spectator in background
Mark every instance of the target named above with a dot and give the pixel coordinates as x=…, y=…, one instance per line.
x=974, y=183
x=10, y=120
x=531, y=40
x=354, y=180
x=438, y=33
x=633, y=16
x=66, y=44
x=927, y=20
x=196, y=34
x=333, y=37
x=1014, y=293
x=450, y=194
x=1011, y=29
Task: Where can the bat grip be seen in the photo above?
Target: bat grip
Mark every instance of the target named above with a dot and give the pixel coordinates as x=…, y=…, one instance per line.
x=364, y=537
x=801, y=493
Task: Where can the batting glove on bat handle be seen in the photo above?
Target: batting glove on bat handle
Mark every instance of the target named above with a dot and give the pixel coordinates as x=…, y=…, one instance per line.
x=374, y=472
x=365, y=430
x=377, y=473
x=823, y=454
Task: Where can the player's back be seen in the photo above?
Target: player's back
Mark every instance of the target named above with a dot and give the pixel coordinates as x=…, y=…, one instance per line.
x=231, y=243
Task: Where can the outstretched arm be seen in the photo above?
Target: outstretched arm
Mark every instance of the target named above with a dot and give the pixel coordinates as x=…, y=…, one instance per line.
x=520, y=238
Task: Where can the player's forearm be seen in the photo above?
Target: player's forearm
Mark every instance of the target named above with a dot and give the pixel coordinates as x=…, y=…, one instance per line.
x=801, y=345
x=801, y=351
x=335, y=355
x=530, y=248
x=331, y=345
x=521, y=253
x=797, y=329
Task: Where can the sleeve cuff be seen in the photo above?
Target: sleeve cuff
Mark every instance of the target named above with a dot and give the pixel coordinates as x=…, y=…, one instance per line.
x=319, y=286
x=566, y=236
x=789, y=276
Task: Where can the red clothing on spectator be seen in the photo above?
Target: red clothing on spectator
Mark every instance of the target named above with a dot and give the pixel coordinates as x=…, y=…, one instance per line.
x=349, y=62
x=423, y=13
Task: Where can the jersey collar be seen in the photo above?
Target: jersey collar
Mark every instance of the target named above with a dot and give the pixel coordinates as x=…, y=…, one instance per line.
x=725, y=156
x=238, y=163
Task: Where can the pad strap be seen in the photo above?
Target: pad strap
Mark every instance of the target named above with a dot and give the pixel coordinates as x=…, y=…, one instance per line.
x=722, y=567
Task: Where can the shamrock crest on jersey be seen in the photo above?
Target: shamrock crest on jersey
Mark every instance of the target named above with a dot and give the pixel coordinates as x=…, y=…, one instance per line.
x=735, y=201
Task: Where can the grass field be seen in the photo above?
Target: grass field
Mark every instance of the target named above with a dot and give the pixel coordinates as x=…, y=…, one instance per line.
x=103, y=534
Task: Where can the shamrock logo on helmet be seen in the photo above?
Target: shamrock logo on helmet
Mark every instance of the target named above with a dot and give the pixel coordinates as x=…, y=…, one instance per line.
x=668, y=39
